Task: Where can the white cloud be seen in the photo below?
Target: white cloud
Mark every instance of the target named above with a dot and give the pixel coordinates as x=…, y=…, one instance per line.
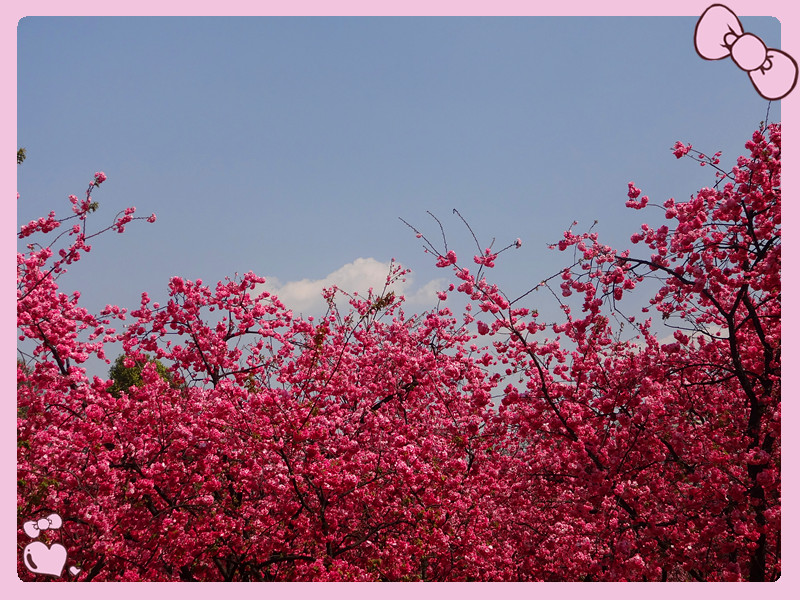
x=305, y=295
x=424, y=297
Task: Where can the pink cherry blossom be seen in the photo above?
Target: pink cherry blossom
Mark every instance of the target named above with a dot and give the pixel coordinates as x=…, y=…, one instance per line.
x=373, y=445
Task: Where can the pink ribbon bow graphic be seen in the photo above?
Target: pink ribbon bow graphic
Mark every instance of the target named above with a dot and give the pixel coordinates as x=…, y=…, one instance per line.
x=719, y=34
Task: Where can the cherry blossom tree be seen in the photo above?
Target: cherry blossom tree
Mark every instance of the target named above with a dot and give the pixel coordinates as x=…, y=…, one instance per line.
x=367, y=444
x=276, y=447
x=636, y=459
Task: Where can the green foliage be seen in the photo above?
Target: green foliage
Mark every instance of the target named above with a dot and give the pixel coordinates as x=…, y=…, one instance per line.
x=125, y=377
x=25, y=370
x=20, y=155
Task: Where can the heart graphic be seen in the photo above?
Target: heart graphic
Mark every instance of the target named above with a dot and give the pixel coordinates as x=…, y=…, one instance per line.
x=38, y=558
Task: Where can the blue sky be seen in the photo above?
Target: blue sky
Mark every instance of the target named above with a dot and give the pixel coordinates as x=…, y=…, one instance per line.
x=290, y=146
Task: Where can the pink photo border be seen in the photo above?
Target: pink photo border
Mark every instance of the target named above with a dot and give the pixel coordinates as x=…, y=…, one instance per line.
x=786, y=11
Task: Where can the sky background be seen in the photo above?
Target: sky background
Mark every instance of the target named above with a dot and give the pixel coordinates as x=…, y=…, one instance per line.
x=290, y=146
